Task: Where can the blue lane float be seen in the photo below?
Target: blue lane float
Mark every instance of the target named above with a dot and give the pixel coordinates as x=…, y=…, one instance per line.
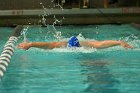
x=8, y=50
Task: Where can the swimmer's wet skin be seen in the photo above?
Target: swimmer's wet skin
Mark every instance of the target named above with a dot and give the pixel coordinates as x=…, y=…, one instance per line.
x=73, y=42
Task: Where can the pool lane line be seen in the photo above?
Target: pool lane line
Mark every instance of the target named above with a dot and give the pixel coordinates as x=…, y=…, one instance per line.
x=8, y=50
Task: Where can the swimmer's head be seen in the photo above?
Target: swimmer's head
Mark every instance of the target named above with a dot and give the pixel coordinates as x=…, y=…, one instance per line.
x=73, y=42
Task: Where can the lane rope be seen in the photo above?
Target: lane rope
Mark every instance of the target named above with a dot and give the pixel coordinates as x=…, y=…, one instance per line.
x=8, y=50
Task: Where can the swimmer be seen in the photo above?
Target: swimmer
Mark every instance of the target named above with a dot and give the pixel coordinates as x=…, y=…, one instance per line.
x=74, y=42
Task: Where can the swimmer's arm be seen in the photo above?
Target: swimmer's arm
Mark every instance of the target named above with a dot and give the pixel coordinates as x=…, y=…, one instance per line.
x=105, y=44
x=111, y=43
x=44, y=45
x=48, y=45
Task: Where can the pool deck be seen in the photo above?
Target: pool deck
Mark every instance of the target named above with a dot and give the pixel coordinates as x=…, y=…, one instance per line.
x=77, y=16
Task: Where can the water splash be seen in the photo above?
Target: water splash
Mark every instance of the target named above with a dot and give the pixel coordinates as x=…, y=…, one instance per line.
x=81, y=37
x=45, y=14
x=59, y=6
x=24, y=34
x=51, y=29
x=132, y=39
x=57, y=34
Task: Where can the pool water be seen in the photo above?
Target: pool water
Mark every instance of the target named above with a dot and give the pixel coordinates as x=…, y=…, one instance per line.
x=4, y=35
x=83, y=70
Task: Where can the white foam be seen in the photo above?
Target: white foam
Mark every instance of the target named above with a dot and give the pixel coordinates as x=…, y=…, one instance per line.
x=83, y=50
x=76, y=50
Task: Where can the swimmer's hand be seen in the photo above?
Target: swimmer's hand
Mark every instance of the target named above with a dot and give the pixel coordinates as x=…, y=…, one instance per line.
x=125, y=45
x=25, y=45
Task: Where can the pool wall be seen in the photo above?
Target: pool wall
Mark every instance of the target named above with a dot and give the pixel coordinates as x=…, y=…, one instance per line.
x=70, y=16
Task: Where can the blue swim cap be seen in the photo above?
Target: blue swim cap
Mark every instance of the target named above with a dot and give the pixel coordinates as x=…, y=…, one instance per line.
x=73, y=42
